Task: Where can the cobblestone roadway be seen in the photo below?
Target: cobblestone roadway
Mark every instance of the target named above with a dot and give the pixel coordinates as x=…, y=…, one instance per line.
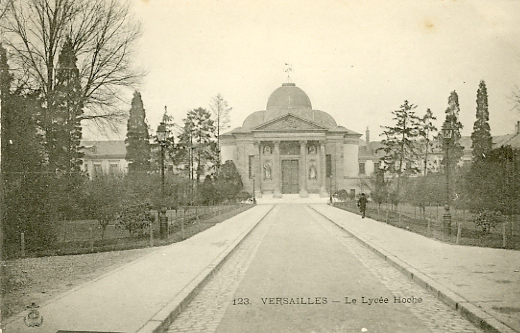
x=439, y=318
x=207, y=309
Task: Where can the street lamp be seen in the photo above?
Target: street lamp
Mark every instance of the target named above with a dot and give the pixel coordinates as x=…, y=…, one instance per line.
x=162, y=135
x=447, y=134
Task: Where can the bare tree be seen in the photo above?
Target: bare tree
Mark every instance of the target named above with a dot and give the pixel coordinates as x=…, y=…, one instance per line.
x=221, y=110
x=102, y=33
x=515, y=96
x=4, y=6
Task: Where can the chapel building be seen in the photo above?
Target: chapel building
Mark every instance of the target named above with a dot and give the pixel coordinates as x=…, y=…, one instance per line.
x=289, y=148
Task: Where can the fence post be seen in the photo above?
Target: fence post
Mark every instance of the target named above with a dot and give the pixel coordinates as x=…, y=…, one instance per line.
x=151, y=233
x=386, y=220
x=22, y=243
x=91, y=237
x=459, y=231
x=182, y=223
x=504, y=238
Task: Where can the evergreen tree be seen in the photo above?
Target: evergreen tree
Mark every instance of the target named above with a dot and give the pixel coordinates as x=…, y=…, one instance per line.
x=27, y=202
x=228, y=183
x=169, y=126
x=5, y=87
x=452, y=117
x=63, y=134
x=400, y=144
x=221, y=110
x=481, y=136
x=197, y=145
x=137, y=137
x=22, y=151
x=492, y=182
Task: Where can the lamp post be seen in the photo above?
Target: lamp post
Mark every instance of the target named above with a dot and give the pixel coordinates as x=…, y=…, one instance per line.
x=447, y=133
x=162, y=136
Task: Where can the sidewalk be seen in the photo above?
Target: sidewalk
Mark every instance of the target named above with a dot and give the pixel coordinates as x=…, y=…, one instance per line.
x=481, y=283
x=142, y=295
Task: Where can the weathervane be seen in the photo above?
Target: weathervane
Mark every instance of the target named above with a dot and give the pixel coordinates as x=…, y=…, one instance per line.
x=288, y=69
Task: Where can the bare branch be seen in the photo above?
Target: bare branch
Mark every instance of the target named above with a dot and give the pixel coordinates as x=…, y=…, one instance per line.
x=102, y=34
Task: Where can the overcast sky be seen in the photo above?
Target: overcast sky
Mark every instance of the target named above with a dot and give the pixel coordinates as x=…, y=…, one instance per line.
x=357, y=60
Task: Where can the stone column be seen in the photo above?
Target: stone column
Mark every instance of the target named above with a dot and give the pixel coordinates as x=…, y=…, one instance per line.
x=277, y=172
x=257, y=169
x=323, y=169
x=303, y=169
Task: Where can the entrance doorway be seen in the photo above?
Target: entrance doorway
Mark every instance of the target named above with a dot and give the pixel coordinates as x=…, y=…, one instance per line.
x=290, y=176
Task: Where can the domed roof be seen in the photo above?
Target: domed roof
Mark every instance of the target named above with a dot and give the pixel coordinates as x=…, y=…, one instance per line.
x=288, y=96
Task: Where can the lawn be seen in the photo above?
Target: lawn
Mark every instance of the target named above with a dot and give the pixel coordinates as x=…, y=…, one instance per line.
x=27, y=280
x=431, y=224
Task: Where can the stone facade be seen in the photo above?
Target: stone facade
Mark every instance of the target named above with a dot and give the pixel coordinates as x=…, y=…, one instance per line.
x=291, y=148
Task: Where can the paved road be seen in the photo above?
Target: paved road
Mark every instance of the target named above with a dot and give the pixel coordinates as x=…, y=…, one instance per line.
x=297, y=272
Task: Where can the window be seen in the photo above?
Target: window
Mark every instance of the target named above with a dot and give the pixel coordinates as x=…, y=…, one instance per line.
x=361, y=168
x=251, y=161
x=97, y=170
x=352, y=193
x=114, y=169
x=376, y=166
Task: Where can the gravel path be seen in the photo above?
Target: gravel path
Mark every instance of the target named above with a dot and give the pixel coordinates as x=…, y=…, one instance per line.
x=41, y=279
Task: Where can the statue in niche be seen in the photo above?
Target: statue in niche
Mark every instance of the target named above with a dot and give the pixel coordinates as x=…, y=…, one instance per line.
x=267, y=150
x=267, y=171
x=311, y=149
x=313, y=174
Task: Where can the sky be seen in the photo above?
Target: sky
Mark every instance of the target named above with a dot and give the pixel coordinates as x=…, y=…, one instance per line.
x=356, y=60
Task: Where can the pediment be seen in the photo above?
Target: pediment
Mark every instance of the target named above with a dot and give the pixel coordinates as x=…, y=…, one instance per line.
x=289, y=123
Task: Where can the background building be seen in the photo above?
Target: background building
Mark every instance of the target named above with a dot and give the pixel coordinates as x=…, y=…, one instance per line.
x=291, y=148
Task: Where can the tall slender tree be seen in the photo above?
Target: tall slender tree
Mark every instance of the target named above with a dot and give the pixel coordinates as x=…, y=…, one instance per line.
x=221, y=110
x=452, y=117
x=427, y=128
x=22, y=150
x=66, y=103
x=481, y=136
x=26, y=190
x=400, y=145
x=137, y=137
x=197, y=145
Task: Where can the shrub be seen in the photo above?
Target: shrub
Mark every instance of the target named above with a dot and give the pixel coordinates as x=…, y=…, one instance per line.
x=487, y=219
x=136, y=219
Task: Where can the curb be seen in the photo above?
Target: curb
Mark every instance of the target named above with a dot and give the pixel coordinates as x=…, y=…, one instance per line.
x=164, y=317
x=471, y=312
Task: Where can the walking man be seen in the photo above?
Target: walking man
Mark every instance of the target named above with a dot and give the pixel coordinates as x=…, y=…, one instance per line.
x=362, y=204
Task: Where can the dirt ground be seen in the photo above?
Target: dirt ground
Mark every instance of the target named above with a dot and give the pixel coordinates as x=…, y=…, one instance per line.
x=40, y=279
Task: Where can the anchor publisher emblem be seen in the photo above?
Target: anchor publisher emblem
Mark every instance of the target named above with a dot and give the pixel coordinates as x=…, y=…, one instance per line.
x=33, y=317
